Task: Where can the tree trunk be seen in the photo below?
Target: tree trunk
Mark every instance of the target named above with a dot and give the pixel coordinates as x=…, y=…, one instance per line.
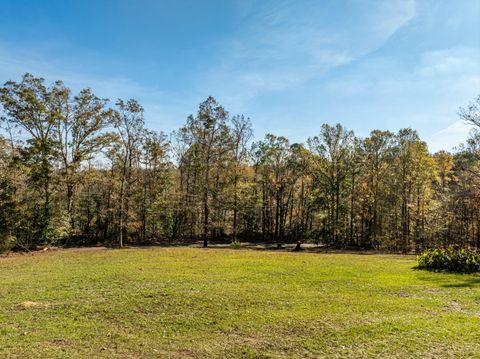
x=120, y=221
x=70, y=193
x=235, y=209
x=351, y=207
x=206, y=208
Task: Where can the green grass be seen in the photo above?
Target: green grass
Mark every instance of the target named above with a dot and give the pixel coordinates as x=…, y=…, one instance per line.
x=191, y=302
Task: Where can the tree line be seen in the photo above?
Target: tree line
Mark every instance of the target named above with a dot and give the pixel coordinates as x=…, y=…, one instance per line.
x=77, y=169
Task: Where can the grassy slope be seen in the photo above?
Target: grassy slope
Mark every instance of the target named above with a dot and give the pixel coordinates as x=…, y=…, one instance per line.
x=184, y=302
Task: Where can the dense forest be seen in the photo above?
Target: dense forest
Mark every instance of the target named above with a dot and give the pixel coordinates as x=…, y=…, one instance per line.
x=77, y=169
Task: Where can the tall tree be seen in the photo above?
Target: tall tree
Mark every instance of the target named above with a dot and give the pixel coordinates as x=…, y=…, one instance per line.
x=377, y=155
x=129, y=122
x=241, y=134
x=332, y=150
x=30, y=105
x=78, y=137
x=208, y=135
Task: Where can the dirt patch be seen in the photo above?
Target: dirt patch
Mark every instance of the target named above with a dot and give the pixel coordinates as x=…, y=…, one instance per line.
x=28, y=304
x=455, y=306
x=188, y=353
x=32, y=305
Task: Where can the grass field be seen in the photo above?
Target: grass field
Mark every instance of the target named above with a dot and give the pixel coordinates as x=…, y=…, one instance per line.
x=204, y=303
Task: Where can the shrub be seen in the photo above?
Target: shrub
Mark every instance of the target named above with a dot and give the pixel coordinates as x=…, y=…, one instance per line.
x=57, y=230
x=236, y=244
x=7, y=242
x=450, y=259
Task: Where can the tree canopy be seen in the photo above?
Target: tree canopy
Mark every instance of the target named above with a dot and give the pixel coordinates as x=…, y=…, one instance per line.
x=76, y=170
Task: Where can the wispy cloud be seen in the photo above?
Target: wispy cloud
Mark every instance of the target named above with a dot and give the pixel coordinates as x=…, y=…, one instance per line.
x=449, y=137
x=390, y=16
x=285, y=44
x=426, y=96
x=449, y=61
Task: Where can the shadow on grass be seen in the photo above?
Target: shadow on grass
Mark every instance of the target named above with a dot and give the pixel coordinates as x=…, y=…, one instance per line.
x=291, y=247
x=467, y=283
x=450, y=279
x=255, y=246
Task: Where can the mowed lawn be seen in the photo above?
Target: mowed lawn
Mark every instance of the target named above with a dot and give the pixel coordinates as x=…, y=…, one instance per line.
x=207, y=303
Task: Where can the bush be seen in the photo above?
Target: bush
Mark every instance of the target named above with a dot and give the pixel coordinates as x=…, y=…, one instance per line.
x=450, y=259
x=56, y=231
x=236, y=244
x=7, y=242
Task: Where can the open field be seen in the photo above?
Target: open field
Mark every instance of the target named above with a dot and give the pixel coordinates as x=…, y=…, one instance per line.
x=191, y=302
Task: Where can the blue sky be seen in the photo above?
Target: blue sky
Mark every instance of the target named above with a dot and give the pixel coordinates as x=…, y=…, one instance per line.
x=289, y=65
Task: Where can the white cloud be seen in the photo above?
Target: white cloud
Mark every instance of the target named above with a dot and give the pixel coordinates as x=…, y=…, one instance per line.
x=392, y=15
x=425, y=95
x=456, y=60
x=449, y=137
